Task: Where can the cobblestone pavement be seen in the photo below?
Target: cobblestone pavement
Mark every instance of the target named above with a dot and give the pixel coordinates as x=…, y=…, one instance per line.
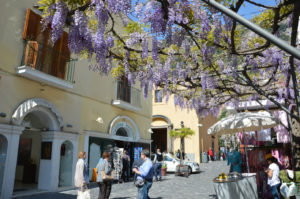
x=196, y=186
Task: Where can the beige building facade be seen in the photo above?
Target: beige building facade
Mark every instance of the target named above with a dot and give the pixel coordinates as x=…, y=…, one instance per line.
x=52, y=106
x=165, y=117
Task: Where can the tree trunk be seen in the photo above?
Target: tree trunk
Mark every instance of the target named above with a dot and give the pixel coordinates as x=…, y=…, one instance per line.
x=295, y=129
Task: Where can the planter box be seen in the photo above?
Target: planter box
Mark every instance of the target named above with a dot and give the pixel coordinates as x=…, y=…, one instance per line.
x=163, y=171
x=182, y=170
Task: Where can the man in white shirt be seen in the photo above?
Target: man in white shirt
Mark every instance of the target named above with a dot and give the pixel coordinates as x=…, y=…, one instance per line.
x=273, y=176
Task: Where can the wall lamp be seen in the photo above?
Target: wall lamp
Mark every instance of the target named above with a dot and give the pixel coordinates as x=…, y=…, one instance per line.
x=2, y=114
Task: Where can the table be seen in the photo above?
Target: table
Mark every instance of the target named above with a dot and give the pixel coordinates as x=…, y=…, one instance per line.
x=244, y=188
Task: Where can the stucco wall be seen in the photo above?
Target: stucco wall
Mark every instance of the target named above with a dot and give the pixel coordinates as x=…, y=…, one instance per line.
x=176, y=115
x=90, y=98
x=205, y=139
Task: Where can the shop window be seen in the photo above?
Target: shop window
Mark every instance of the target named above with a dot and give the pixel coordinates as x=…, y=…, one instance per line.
x=158, y=96
x=40, y=52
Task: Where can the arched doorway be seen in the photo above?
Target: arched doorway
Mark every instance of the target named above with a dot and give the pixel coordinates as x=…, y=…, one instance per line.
x=37, y=116
x=29, y=151
x=160, y=134
x=3, y=152
x=66, y=160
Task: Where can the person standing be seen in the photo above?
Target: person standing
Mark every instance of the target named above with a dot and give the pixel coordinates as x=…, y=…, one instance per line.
x=236, y=161
x=81, y=171
x=126, y=166
x=104, y=186
x=145, y=173
x=178, y=154
x=229, y=156
x=211, y=154
x=273, y=176
x=158, y=164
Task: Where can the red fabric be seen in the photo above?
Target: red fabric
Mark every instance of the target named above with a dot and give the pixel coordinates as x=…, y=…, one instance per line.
x=210, y=152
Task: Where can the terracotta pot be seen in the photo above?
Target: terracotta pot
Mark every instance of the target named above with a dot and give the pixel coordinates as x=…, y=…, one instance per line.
x=163, y=171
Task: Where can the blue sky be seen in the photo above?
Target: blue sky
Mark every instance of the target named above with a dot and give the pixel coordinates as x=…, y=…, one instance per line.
x=249, y=10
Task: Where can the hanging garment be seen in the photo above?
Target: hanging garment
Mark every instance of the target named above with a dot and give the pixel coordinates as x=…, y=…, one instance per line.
x=264, y=135
x=282, y=133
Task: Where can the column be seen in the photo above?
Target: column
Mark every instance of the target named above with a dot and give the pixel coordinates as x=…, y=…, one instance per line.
x=49, y=168
x=12, y=134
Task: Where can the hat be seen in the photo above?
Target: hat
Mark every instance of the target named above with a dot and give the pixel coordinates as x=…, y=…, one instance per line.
x=268, y=156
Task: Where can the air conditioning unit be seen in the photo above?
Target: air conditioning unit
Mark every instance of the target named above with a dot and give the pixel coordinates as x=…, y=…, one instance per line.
x=31, y=54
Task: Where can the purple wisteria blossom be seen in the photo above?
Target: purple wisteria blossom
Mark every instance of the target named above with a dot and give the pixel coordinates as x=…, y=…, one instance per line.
x=58, y=21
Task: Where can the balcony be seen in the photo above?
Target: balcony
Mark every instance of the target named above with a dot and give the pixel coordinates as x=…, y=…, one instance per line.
x=46, y=65
x=127, y=97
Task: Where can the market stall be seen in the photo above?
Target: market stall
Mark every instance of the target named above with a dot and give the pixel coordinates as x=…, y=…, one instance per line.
x=245, y=185
x=242, y=187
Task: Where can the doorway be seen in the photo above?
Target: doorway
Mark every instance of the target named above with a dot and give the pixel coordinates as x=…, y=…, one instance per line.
x=66, y=164
x=28, y=162
x=29, y=152
x=159, y=138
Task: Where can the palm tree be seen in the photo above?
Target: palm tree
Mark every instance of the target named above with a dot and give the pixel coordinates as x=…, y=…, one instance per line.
x=181, y=133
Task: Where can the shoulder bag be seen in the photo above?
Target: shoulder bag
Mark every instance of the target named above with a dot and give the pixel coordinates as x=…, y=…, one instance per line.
x=106, y=177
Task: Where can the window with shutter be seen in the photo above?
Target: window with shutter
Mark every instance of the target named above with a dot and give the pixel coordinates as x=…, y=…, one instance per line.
x=40, y=52
x=124, y=90
x=32, y=25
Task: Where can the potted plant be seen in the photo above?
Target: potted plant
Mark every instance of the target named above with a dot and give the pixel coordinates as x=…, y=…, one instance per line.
x=181, y=133
x=164, y=169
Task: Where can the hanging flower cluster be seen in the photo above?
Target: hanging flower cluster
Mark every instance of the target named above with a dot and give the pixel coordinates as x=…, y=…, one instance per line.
x=182, y=46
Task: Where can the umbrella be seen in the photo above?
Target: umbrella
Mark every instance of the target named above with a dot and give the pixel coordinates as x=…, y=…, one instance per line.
x=245, y=121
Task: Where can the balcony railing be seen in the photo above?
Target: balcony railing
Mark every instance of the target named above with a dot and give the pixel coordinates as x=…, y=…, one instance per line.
x=48, y=60
x=127, y=97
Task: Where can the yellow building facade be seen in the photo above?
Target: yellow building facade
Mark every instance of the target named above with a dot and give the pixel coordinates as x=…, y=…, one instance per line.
x=165, y=116
x=48, y=115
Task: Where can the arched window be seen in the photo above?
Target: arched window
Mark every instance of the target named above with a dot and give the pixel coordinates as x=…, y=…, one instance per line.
x=122, y=132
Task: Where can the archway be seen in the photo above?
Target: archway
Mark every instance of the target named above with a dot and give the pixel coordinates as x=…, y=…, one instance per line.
x=3, y=153
x=36, y=115
x=66, y=160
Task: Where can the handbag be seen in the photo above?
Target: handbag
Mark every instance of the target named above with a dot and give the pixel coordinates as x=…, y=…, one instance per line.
x=84, y=194
x=288, y=191
x=106, y=177
x=139, y=183
x=284, y=189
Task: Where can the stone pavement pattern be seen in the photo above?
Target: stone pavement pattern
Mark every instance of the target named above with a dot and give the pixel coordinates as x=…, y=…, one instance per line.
x=196, y=186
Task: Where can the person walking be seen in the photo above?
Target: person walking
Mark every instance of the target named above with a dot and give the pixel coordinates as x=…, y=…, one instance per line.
x=144, y=173
x=273, y=175
x=104, y=186
x=158, y=164
x=126, y=166
x=81, y=171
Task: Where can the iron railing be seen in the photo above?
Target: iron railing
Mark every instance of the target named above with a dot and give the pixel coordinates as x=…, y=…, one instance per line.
x=48, y=60
x=128, y=94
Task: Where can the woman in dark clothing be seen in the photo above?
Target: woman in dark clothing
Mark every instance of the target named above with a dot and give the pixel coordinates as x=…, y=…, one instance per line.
x=104, y=186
